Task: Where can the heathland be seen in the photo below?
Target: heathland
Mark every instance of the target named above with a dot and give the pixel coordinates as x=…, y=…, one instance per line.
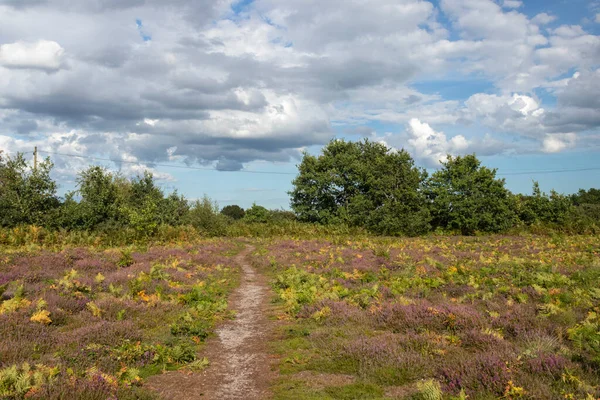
x=381, y=282
x=435, y=317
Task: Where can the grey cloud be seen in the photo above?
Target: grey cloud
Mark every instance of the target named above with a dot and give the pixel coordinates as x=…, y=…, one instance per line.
x=22, y=3
x=229, y=165
x=582, y=92
x=26, y=126
x=571, y=119
x=361, y=131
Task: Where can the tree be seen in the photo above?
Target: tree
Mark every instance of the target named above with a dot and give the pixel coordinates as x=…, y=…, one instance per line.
x=258, y=213
x=361, y=184
x=233, y=211
x=27, y=195
x=591, y=196
x=539, y=207
x=142, y=209
x=204, y=215
x=174, y=209
x=467, y=197
x=102, y=196
x=587, y=204
x=144, y=189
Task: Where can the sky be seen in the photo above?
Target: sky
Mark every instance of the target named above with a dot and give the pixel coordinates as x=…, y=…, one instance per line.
x=222, y=97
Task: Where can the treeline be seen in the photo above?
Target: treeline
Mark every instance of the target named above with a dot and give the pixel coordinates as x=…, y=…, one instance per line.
x=111, y=204
x=369, y=185
x=359, y=186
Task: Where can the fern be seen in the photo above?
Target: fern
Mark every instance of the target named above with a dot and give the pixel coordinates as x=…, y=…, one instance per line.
x=429, y=390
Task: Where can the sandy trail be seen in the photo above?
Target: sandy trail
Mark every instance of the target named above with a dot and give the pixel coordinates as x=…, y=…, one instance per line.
x=240, y=365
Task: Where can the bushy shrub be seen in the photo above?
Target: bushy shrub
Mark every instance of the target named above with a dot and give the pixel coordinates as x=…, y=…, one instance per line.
x=258, y=214
x=233, y=211
x=481, y=373
x=204, y=215
x=27, y=195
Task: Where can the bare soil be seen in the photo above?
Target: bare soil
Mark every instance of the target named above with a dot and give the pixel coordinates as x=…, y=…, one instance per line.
x=241, y=366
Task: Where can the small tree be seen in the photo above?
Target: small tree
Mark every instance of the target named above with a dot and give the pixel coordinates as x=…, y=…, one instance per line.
x=142, y=206
x=27, y=195
x=539, y=207
x=204, y=215
x=233, y=211
x=174, y=209
x=257, y=213
x=102, y=196
x=590, y=196
x=467, y=197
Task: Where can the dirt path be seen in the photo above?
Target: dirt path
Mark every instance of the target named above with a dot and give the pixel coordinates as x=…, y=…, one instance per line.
x=240, y=365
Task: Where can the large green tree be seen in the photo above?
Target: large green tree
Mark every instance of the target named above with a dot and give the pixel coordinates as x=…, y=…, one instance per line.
x=27, y=195
x=467, y=197
x=361, y=184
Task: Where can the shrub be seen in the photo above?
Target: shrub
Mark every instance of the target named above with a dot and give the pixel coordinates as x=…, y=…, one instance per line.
x=258, y=214
x=477, y=374
x=233, y=211
x=204, y=215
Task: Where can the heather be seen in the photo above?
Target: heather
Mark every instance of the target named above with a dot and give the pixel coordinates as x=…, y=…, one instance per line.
x=93, y=323
x=437, y=317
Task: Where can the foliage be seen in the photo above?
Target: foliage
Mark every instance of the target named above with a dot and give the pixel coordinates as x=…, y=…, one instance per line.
x=69, y=309
x=438, y=317
x=541, y=208
x=257, y=214
x=17, y=382
x=27, y=195
x=350, y=187
x=467, y=197
x=361, y=184
x=204, y=215
x=233, y=211
x=590, y=196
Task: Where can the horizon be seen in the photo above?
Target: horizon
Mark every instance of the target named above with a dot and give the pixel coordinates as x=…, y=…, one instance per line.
x=202, y=94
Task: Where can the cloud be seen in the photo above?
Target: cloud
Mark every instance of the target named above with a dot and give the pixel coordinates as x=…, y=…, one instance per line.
x=222, y=86
x=543, y=19
x=431, y=147
x=512, y=4
x=44, y=55
x=598, y=18
x=557, y=142
x=229, y=165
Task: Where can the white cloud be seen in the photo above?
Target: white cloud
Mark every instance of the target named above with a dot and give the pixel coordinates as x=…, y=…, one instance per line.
x=568, y=31
x=512, y=3
x=526, y=105
x=543, y=19
x=558, y=142
x=598, y=18
x=44, y=54
x=431, y=147
x=485, y=19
